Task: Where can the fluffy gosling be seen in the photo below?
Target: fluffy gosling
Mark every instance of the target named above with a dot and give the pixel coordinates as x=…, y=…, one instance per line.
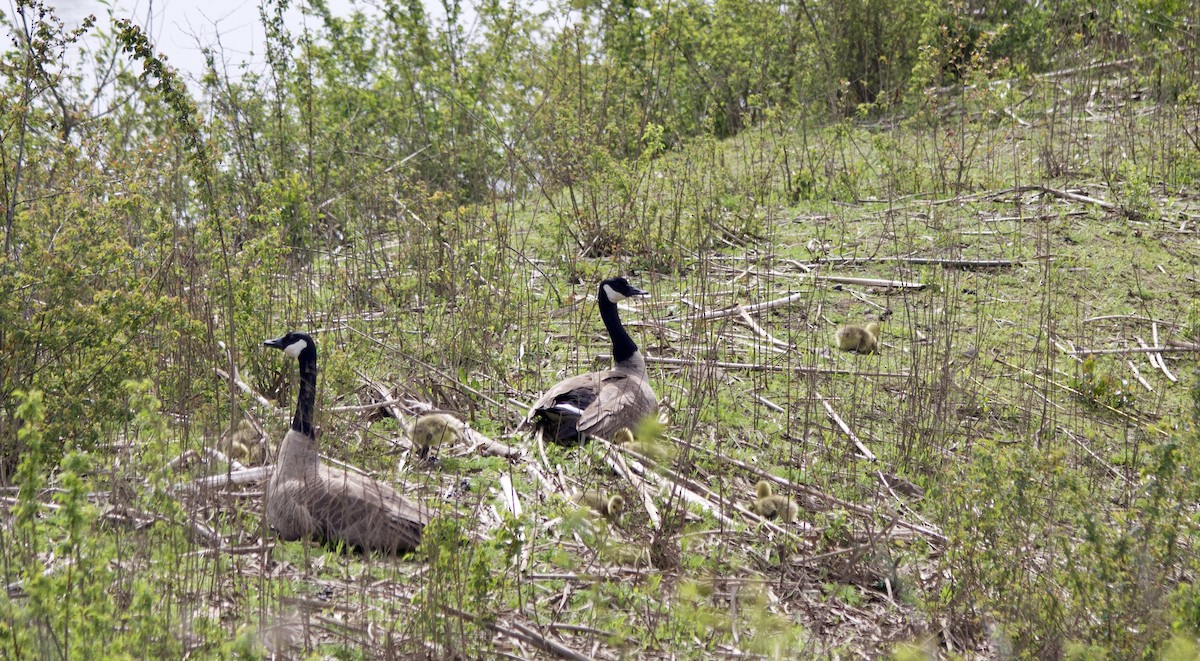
x=610, y=507
x=770, y=506
x=862, y=339
x=433, y=429
x=647, y=447
x=245, y=445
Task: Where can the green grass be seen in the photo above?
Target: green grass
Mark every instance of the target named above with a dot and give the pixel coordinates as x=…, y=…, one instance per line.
x=1025, y=464
x=1036, y=501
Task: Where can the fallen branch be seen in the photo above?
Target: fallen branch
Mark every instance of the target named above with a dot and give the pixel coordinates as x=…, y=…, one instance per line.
x=1064, y=195
x=1156, y=358
x=762, y=331
x=1171, y=347
x=489, y=447
x=837, y=419
x=245, y=388
x=1128, y=316
x=256, y=474
x=760, y=367
x=523, y=633
x=748, y=309
x=965, y=263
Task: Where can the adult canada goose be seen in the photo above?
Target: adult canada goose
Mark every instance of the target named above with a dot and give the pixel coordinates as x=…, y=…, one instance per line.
x=599, y=403
x=309, y=500
x=862, y=339
x=770, y=506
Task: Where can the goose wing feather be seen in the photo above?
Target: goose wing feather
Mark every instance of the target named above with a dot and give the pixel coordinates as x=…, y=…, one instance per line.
x=623, y=400
x=286, y=513
x=363, y=512
x=577, y=392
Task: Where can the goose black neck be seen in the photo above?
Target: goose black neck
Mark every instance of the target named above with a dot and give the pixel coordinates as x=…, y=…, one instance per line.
x=302, y=421
x=623, y=345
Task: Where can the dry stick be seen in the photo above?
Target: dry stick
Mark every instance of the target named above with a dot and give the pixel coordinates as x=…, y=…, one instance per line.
x=1065, y=195
x=509, y=495
x=768, y=403
x=255, y=474
x=965, y=263
x=246, y=389
x=1171, y=347
x=871, y=282
x=549, y=645
x=837, y=419
x=547, y=485
x=1138, y=375
x=866, y=300
x=1129, y=316
x=1162, y=364
x=524, y=634
x=1153, y=358
x=358, y=408
x=489, y=447
x=928, y=532
x=748, y=309
x=762, y=331
x=759, y=367
x=184, y=457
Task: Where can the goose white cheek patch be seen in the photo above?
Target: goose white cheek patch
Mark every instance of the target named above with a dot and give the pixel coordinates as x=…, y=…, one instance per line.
x=612, y=294
x=295, y=348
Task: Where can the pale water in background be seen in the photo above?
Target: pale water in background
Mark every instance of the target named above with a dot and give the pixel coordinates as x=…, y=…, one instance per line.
x=181, y=29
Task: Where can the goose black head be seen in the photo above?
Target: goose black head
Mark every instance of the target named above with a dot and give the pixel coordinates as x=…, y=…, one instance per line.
x=619, y=289
x=293, y=344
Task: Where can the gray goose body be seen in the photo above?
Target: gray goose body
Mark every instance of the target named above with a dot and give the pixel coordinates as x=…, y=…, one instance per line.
x=309, y=500
x=599, y=403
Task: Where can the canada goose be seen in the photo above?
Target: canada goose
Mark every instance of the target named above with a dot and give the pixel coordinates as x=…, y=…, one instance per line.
x=307, y=499
x=433, y=429
x=862, y=339
x=599, y=403
x=770, y=506
x=610, y=507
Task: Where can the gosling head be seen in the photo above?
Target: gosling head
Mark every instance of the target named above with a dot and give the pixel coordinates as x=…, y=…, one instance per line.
x=763, y=489
x=622, y=436
x=616, y=504
x=293, y=344
x=873, y=329
x=619, y=289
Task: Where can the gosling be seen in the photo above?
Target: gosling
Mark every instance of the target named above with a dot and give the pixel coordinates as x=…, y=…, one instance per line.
x=862, y=339
x=610, y=507
x=646, y=447
x=433, y=429
x=244, y=445
x=770, y=506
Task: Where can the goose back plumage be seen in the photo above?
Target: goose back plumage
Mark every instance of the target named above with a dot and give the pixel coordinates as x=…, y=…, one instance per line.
x=307, y=499
x=599, y=403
